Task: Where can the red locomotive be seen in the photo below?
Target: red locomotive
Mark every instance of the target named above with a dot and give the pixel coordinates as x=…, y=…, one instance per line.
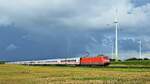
x=98, y=60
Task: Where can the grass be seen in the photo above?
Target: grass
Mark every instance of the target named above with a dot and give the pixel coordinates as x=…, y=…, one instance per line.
x=19, y=74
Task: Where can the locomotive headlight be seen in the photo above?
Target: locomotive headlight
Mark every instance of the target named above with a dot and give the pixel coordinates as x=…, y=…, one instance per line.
x=107, y=60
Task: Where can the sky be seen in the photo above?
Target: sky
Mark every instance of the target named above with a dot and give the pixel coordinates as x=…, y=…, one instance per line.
x=45, y=29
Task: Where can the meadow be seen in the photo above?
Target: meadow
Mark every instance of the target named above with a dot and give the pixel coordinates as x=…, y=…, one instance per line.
x=114, y=74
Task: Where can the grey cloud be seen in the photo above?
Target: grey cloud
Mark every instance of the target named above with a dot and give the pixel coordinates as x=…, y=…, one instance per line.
x=94, y=14
x=42, y=27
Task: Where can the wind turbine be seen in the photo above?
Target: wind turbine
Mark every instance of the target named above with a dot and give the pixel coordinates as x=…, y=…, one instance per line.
x=116, y=36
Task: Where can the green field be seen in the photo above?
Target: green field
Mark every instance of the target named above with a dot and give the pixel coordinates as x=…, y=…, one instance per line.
x=114, y=74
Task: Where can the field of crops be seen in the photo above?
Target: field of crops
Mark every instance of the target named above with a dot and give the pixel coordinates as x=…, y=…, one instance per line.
x=19, y=74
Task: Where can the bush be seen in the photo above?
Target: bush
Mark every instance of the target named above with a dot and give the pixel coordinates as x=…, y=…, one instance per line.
x=131, y=59
x=114, y=60
x=146, y=59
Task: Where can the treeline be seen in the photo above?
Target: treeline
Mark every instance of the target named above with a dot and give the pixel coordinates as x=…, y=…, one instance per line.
x=132, y=59
x=2, y=62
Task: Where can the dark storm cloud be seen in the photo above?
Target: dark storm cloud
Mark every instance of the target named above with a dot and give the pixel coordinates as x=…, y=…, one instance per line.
x=140, y=3
x=32, y=29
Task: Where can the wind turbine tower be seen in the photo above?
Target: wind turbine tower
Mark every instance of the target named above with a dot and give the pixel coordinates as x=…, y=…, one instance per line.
x=140, y=49
x=116, y=36
x=112, y=49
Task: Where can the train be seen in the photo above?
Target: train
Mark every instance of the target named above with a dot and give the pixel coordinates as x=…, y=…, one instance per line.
x=99, y=60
